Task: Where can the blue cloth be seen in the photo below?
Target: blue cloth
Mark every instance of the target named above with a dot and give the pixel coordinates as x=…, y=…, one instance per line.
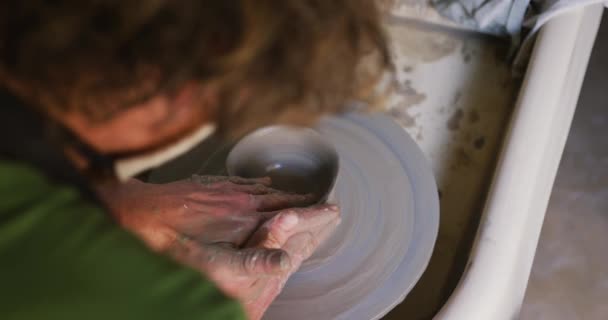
x=506, y=17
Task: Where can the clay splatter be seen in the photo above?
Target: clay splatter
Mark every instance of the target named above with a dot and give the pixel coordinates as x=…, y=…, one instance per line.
x=467, y=58
x=479, y=143
x=454, y=121
x=403, y=117
x=409, y=96
x=422, y=46
x=408, y=69
x=473, y=116
x=457, y=97
x=463, y=159
x=467, y=51
x=467, y=136
x=405, y=87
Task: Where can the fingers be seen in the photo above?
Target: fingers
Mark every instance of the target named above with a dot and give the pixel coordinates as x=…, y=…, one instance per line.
x=223, y=259
x=264, y=197
x=269, y=199
x=297, y=231
x=237, y=202
x=250, y=261
x=276, y=231
x=302, y=245
x=238, y=184
x=319, y=221
x=219, y=180
x=255, y=189
x=266, y=181
x=254, y=261
x=281, y=200
x=206, y=180
x=316, y=216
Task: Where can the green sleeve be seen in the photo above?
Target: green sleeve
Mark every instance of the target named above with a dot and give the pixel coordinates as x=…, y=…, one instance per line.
x=62, y=258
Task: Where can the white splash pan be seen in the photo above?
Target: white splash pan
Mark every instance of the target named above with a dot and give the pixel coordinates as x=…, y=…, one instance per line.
x=390, y=219
x=494, y=283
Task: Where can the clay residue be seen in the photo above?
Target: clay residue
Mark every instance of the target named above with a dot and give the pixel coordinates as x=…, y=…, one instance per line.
x=454, y=121
x=473, y=116
x=388, y=5
x=403, y=117
x=408, y=69
x=422, y=45
x=404, y=87
x=462, y=158
x=479, y=143
x=457, y=97
x=407, y=94
x=467, y=136
x=411, y=100
x=467, y=51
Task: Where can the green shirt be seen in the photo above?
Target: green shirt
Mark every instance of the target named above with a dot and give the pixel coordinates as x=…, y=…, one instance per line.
x=63, y=258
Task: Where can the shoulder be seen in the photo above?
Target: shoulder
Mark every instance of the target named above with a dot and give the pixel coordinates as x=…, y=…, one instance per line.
x=21, y=184
x=63, y=256
x=32, y=204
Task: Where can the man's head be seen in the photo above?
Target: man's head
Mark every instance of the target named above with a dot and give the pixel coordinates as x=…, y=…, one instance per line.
x=130, y=75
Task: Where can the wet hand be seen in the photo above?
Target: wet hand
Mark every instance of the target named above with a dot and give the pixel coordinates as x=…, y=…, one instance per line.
x=256, y=273
x=231, y=229
x=206, y=209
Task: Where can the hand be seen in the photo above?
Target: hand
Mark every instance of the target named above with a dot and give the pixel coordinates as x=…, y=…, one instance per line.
x=208, y=223
x=205, y=209
x=256, y=274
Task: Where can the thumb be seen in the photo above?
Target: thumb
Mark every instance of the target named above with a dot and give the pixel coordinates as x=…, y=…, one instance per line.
x=248, y=261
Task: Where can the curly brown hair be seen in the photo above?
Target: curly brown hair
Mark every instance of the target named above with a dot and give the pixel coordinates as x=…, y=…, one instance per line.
x=290, y=59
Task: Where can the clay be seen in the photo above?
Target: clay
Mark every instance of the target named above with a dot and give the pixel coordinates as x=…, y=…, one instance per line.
x=390, y=217
x=296, y=159
x=454, y=122
x=423, y=46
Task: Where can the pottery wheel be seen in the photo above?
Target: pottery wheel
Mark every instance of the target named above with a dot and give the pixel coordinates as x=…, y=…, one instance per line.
x=390, y=217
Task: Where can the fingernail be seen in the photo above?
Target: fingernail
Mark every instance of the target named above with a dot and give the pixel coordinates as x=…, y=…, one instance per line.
x=333, y=207
x=288, y=221
x=280, y=259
